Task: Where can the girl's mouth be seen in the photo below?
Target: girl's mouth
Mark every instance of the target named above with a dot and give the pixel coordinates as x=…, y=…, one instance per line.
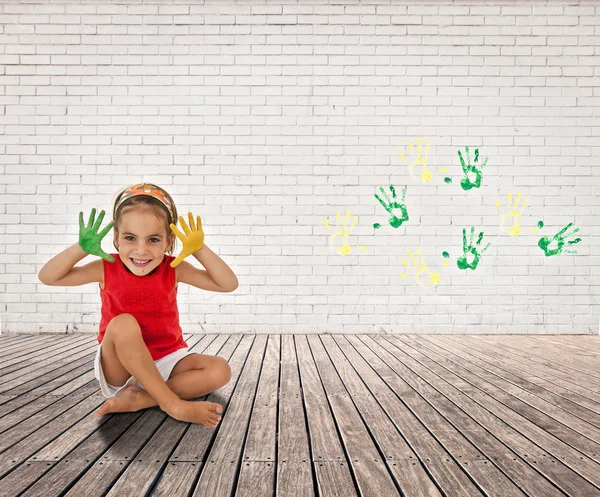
x=140, y=262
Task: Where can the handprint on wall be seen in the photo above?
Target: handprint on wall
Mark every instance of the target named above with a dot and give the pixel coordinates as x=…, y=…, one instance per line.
x=471, y=252
x=421, y=161
x=560, y=238
x=511, y=212
x=397, y=210
x=338, y=240
x=434, y=278
x=473, y=172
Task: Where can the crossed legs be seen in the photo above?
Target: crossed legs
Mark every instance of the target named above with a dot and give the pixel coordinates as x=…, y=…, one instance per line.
x=125, y=354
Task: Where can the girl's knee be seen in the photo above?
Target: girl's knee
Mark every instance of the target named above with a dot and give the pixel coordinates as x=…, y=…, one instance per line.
x=123, y=324
x=224, y=370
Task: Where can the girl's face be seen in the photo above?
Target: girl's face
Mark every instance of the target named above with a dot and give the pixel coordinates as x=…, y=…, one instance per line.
x=141, y=240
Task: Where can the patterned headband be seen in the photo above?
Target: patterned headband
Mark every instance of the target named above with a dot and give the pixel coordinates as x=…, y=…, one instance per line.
x=151, y=191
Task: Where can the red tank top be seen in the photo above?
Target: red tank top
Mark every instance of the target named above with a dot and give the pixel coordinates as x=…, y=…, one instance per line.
x=151, y=299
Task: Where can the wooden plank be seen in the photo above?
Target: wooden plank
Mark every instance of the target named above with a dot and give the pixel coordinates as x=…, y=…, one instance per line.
x=9, y=340
x=148, y=463
x=257, y=472
x=570, y=348
x=180, y=477
x=257, y=479
x=46, y=384
x=558, y=369
x=515, y=374
x=551, y=374
x=25, y=439
x=410, y=464
x=294, y=479
x=332, y=473
x=294, y=469
x=551, y=378
x=7, y=349
x=333, y=479
x=27, y=373
x=18, y=361
x=585, y=362
x=497, y=434
x=70, y=454
x=325, y=444
x=217, y=474
x=580, y=469
x=260, y=442
x=585, y=342
x=467, y=451
x=563, y=425
x=370, y=471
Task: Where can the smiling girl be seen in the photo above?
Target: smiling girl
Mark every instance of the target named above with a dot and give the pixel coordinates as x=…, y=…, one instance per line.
x=142, y=359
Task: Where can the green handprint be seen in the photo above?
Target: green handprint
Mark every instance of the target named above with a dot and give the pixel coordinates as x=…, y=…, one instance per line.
x=89, y=238
x=470, y=249
x=545, y=241
x=474, y=168
x=391, y=205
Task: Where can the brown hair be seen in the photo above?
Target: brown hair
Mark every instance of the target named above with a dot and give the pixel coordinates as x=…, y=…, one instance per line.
x=160, y=211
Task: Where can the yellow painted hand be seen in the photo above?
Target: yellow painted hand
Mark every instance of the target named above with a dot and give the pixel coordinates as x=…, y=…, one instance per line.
x=194, y=240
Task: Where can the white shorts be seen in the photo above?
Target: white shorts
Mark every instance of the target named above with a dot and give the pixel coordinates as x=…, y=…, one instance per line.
x=164, y=365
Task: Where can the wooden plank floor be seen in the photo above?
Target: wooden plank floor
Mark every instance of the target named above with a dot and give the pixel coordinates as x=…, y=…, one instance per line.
x=315, y=415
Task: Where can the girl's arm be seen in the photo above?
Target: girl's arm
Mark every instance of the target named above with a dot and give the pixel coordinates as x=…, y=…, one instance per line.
x=60, y=270
x=218, y=276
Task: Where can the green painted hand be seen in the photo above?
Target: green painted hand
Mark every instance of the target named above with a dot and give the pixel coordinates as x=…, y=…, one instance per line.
x=397, y=210
x=545, y=241
x=194, y=240
x=473, y=169
x=462, y=262
x=89, y=238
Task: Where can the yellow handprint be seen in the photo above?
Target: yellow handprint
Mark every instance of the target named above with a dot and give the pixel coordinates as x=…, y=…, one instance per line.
x=426, y=173
x=434, y=278
x=345, y=248
x=194, y=240
x=515, y=229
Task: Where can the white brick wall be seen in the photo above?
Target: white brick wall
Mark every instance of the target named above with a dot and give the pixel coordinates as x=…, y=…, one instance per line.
x=267, y=119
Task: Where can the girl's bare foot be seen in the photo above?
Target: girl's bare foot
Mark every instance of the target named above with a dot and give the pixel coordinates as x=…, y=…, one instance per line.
x=205, y=413
x=124, y=401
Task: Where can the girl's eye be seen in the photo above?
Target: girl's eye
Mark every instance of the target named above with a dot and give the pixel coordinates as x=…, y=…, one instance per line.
x=129, y=238
x=154, y=240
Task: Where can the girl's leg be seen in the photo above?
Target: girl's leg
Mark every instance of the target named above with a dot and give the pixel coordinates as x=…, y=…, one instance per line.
x=193, y=376
x=125, y=354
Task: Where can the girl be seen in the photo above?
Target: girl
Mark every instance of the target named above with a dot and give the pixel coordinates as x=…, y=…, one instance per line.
x=142, y=359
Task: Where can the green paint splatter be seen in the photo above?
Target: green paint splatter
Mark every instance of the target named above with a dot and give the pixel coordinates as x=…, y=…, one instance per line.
x=540, y=224
x=377, y=226
x=446, y=255
x=397, y=210
x=473, y=169
x=545, y=241
x=448, y=180
x=471, y=249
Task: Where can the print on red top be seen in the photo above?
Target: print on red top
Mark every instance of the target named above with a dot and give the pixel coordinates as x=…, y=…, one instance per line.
x=151, y=299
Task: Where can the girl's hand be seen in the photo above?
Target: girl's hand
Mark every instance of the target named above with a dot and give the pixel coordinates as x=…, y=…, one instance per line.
x=89, y=238
x=194, y=240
